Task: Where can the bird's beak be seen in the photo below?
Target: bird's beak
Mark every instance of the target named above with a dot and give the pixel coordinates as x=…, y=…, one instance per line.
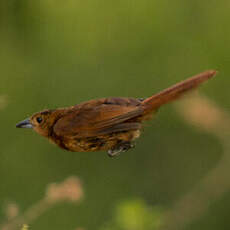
x=24, y=124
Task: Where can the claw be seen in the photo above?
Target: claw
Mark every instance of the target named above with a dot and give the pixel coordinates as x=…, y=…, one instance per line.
x=121, y=147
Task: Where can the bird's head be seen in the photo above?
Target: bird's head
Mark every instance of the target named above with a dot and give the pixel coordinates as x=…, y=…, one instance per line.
x=41, y=122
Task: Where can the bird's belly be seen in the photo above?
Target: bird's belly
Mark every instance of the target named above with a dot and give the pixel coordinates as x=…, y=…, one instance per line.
x=98, y=143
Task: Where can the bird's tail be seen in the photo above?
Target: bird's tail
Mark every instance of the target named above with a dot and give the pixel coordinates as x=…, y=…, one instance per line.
x=154, y=102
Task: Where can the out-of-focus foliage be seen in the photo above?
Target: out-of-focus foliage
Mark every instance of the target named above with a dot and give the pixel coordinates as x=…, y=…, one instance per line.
x=134, y=215
x=25, y=227
x=60, y=53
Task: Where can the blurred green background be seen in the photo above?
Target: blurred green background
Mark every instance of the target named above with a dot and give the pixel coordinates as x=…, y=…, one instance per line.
x=60, y=53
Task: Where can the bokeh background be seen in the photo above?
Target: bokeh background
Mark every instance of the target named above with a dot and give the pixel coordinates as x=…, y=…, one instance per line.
x=60, y=53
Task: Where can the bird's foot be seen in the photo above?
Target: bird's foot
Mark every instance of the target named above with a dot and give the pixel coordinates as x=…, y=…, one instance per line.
x=121, y=147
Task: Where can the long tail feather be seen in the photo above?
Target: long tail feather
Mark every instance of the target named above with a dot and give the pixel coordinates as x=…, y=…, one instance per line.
x=175, y=91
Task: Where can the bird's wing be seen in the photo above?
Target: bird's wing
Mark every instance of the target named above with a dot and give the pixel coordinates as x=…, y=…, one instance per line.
x=98, y=119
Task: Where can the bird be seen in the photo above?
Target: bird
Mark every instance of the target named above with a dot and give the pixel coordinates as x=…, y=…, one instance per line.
x=108, y=124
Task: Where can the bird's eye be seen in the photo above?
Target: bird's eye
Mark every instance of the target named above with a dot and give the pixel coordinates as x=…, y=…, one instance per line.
x=39, y=119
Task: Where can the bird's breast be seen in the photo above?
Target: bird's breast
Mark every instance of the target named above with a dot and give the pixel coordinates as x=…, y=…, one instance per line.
x=98, y=143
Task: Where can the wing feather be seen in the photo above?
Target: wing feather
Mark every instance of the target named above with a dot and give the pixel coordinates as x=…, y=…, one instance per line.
x=89, y=121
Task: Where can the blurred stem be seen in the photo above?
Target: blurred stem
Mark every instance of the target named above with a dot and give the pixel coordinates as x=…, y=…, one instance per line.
x=28, y=216
x=68, y=190
x=216, y=183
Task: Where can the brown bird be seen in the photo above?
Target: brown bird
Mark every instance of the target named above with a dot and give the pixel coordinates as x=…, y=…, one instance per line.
x=108, y=124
